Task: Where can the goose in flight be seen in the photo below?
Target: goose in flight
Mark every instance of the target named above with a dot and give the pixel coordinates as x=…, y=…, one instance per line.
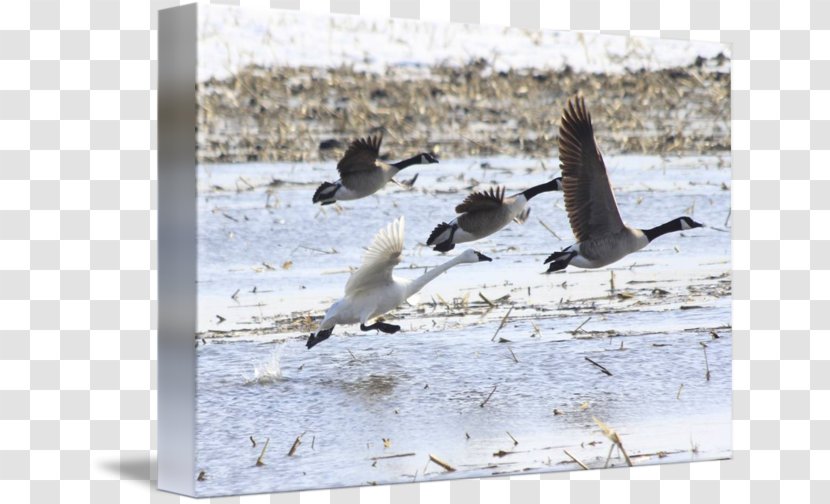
x=601, y=236
x=362, y=174
x=372, y=291
x=484, y=213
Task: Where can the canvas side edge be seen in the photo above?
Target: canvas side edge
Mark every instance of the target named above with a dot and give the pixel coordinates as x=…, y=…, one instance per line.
x=177, y=249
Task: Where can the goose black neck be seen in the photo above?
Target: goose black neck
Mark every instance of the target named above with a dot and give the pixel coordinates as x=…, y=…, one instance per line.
x=400, y=165
x=546, y=187
x=669, y=227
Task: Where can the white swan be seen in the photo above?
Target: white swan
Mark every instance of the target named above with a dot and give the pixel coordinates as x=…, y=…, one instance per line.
x=372, y=291
x=602, y=237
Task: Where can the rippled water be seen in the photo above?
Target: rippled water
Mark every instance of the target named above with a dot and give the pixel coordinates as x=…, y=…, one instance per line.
x=422, y=388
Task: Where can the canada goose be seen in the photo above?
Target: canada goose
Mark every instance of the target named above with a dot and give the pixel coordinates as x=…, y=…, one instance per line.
x=484, y=213
x=362, y=174
x=602, y=237
x=372, y=291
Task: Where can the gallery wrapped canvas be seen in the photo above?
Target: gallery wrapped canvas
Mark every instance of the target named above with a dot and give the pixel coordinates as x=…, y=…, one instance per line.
x=393, y=251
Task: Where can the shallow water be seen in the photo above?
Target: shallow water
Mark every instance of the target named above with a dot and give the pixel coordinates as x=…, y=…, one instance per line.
x=422, y=388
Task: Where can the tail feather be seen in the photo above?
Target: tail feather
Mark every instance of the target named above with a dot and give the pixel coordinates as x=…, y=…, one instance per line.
x=441, y=237
x=559, y=260
x=559, y=255
x=325, y=193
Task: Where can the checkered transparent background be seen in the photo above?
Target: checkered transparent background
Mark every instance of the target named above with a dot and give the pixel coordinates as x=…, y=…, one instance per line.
x=78, y=251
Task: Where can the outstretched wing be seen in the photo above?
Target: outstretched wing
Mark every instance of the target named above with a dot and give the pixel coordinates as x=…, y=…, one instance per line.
x=589, y=200
x=481, y=201
x=380, y=258
x=360, y=156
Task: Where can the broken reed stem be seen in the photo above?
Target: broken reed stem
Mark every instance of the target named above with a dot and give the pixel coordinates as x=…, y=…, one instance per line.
x=484, y=298
x=296, y=445
x=579, y=462
x=580, y=325
x=608, y=458
x=706, y=360
x=441, y=463
x=551, y=231
x=327, y=252
x=600, y=366
x=246, y=182
x=515, y=359
x=489, y=396
x=612, y=435
x=612, y=281
x=503, y=321
x=625, y=454
x=259, y=461
x=679, y=391
x=399, y=455
x=511, y=437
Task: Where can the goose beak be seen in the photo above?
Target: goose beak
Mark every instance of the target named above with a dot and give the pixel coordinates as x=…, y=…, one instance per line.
x=482, y=257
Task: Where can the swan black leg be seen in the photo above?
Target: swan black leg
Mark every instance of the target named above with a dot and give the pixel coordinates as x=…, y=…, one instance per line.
x=313, y=339
x=388, y=328
x=382, y=327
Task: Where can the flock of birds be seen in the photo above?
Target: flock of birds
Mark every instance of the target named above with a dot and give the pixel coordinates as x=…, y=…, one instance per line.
x=601, y=235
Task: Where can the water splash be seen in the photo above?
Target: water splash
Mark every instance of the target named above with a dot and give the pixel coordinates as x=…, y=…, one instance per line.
x=266, y=372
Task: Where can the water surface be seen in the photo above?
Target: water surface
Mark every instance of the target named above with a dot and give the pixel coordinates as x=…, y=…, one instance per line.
x=284, y=261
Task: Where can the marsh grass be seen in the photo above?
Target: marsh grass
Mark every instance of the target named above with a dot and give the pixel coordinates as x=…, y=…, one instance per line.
x=310, y=114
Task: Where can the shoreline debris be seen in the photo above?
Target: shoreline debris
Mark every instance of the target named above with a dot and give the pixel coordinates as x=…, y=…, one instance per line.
x=397, y=455
x=489, y=396
x=297, y=443
x=579, y=462
x=600, y=366
x=441, y=463
x=259, y=460
x=706, y=360
x=612, y=435
x=501, y=325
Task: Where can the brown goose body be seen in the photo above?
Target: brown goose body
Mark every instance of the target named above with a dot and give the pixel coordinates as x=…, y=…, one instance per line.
x=602, y=237
x=362, y=173
x=483, y=213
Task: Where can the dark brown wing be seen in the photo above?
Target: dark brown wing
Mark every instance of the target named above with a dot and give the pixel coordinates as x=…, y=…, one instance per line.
x=478, y=201
x=589, y=200
x=360, y=156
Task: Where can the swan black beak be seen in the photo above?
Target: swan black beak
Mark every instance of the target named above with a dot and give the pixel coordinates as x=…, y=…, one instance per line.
x=482, y=257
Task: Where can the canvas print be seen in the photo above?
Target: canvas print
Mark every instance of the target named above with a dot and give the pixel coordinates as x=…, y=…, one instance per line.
x=430, y=251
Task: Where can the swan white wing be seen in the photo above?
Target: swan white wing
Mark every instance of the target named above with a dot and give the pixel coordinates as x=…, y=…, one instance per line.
x=380, y=258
